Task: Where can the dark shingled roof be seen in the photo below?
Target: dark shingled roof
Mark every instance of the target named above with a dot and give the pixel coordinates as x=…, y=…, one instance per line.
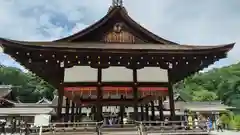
x=5, y=90
x=55, y=101
x=28, y=111
x=44, y=101
x=73, y=47
x=198, y=106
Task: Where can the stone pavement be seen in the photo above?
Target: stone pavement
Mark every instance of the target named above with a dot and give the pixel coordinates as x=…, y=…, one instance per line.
x=225, y=133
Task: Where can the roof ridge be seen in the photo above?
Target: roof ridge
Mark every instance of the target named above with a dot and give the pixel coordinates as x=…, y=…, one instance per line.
x=44, y=99
x=116, y=10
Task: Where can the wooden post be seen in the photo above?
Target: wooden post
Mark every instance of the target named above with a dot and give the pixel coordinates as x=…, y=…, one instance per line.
x=146, y=111
x=76, y=119
x=93, y=112
x=67, y=110
x=99, y=96
x=122, y=110
x=142, y=113
x=60, y=102
x=79, y=113
x=171, y=96
x=72, y=111
x=135, y=95
x=160, y=108
x=59, y=83
x=153, y=111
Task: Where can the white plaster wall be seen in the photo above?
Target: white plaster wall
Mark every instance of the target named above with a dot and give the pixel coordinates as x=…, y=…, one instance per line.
x=152, y=74
x=80, y=74
x=117, y=74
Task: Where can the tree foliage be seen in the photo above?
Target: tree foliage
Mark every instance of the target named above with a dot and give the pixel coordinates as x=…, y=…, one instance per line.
x=28, y=87
x=236, y=122
x=226, y=119
x=204, y=95
x=217, y=84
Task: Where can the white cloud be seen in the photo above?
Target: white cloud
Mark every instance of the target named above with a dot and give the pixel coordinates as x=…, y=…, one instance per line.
x=78, y=27
x=184, y=21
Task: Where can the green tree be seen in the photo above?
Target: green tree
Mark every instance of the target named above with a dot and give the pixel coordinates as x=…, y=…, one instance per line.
x=217, y=84
x=204, y=95
x=30, y=87
x=237, y=122
x=226, y=119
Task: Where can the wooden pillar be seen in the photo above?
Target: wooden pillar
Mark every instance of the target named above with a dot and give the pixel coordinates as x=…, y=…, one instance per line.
x=72, y=111
x=59, y=84
x=122, y=110
x=171, y=96
x=142, y=113
x=99, y=96
x=152, y=111
x=93, y=112
x=146, y=111
x=60, y=102
x=79, y=113
x=66, y=119
x=76, y=119
x=160, y=108
x=135, y=95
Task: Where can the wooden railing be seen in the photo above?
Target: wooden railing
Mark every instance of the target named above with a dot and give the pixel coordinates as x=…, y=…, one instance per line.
x=143, y=127
x=71, y=127
x=89, y=127
x=173, y=127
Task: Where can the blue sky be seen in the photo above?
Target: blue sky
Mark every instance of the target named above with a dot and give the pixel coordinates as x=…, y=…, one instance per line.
x=200, y=22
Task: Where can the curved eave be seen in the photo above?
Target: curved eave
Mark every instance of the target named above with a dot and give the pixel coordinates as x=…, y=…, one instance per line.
x=121, y=48
x=109, y=15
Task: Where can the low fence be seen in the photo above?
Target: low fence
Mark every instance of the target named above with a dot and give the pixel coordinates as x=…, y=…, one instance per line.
x=26, y=129
x=143, y=127
x=90, y=127
x=173, y=127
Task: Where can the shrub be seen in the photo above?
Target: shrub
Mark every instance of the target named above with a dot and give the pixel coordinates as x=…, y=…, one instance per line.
x=237, y=122
x=225, y=119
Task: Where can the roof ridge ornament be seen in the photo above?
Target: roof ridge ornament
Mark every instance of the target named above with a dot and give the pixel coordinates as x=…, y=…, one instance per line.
x=117, y=3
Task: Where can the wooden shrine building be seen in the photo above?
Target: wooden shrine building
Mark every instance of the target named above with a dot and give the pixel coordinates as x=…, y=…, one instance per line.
x=114, y=62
